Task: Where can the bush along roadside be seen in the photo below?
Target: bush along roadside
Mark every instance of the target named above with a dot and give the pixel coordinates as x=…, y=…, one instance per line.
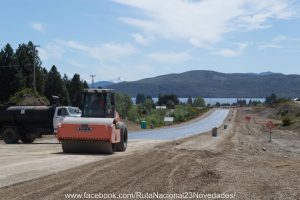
x=168, y=105
x=183, y=113
x=155, y=117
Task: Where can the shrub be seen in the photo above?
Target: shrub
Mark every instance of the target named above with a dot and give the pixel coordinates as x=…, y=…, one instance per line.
x=284, y=113
x=27, y=97
x=133, y=114
x=199, y=102
x=185, y=113
x=163, y=99
x=286, y=121
x=155, y=119
x=124, y=103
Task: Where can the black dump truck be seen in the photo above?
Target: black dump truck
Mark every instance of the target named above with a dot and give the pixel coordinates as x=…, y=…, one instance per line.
x=26, y=123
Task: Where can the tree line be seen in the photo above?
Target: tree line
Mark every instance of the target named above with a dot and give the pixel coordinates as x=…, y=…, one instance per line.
x=168, y=100
x=144, y=109
x=17, y=70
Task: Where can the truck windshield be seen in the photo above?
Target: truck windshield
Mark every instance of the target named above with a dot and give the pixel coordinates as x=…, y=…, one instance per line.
x=94, y=105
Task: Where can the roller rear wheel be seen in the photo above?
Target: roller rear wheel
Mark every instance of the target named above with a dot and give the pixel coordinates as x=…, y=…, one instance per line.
x=91, y=147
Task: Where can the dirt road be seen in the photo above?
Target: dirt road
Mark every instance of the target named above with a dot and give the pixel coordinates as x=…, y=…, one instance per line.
x=240, y=161
x=23, y=162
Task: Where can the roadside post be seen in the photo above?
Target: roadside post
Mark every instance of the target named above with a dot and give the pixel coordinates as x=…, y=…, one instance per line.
x=248, y=120
x=214, y=132
x=270, y=126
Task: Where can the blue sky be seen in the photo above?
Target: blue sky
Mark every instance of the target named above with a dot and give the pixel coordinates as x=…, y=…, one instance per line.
x=135, y=39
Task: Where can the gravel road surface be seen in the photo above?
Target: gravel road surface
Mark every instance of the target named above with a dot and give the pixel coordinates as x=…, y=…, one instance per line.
x=23, y=162
x=239, y=162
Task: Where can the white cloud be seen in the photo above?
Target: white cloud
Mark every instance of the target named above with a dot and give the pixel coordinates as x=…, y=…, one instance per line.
x=107, y=51
x=276, y=42
x=205, y=22
x=76, y=64
x=51, y=51
x=269, y=46
x=129, y=72
x=38, y=27
x=103, y=52
x=112, y=51
x=171, y=58
x=279, y=38
x=141, y=39
x=43, y=54
x=231, y=52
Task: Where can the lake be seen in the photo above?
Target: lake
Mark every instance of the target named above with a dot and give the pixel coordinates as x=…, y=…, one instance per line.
x=213, y=101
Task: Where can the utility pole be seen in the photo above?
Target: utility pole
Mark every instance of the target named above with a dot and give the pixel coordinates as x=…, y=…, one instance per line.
x=34, y=57
x=93, y=75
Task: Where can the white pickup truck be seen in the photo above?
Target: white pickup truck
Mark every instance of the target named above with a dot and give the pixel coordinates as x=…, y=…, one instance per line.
x=64, y=111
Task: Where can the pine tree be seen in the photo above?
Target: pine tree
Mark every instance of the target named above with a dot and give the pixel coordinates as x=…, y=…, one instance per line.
x=190, y=101
x=26, y=57
x=76, y=89
x=85, y=85
x=140, y=98
x=199, y=102
x=11, y=79
x=56, y=86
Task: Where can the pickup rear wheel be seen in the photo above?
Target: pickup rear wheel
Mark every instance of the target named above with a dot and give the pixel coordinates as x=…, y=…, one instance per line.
x=122, y=145
x=27, y=138
x=10, y=135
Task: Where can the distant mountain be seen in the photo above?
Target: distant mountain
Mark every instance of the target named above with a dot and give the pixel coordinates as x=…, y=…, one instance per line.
x=106, y=83
x=101, y=84
x=262, y=73
x=214, y=84
x=265, y=73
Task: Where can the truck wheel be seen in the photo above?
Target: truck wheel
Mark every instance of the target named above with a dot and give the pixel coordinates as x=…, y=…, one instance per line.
x=122, y=145
x=27, y=139
x=10, y=135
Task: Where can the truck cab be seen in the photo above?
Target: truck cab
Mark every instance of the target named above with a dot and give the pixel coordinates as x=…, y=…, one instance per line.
x=64, y=111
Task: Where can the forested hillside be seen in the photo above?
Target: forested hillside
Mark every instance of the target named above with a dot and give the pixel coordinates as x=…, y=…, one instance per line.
x=215, y=84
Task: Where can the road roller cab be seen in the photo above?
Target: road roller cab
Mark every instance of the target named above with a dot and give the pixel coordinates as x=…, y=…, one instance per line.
x=98, y=130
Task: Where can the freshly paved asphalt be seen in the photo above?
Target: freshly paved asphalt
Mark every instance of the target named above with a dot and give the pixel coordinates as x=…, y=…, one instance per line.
x=215, y=119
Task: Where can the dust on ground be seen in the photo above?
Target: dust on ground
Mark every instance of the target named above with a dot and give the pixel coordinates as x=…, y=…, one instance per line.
x=240, y=161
